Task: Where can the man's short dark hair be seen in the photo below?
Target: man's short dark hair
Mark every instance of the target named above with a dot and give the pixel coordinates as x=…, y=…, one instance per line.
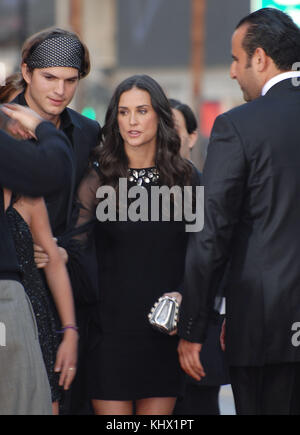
x=276, y=33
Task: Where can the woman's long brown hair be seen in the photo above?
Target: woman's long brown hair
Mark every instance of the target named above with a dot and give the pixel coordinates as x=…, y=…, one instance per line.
x=111, y=156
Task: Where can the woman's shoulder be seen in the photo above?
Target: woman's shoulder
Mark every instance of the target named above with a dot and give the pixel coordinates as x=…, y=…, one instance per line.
x=94, y=168
x=90, y=182
x=92, y=173
x=32, y=203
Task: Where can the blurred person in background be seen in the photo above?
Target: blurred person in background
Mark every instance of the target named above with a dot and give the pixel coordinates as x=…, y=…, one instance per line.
x=252, y=213
x=186, y=125
x=200, y=397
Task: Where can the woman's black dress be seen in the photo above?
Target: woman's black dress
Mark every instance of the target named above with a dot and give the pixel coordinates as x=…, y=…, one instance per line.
x=38, y=296
x=138, y=262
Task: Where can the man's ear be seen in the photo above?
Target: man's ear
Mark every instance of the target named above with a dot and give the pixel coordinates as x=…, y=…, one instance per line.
x=260, y=60
x=193, y=137
x=26, y=73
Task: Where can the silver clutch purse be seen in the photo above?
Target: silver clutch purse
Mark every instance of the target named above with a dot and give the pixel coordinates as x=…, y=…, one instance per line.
x=164, y=314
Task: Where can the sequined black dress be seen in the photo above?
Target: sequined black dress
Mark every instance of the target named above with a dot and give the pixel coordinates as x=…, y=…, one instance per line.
x=37, y=293
x=138, y=262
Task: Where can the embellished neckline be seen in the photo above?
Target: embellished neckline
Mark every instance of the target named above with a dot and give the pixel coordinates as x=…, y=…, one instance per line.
x=144, y=176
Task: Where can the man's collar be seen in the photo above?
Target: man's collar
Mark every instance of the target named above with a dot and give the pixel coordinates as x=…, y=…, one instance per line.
x=278, y=78
x=65, y=120
x=74, y=117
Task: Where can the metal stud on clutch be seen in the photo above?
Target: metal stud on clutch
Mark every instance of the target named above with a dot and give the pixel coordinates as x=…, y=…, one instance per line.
x=164, y=314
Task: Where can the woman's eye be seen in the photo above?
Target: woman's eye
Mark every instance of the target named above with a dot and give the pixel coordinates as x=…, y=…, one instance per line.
x=143, y=111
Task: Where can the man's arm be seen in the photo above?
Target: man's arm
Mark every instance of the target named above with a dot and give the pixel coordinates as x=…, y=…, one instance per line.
x=35, y=169
x=224, y=178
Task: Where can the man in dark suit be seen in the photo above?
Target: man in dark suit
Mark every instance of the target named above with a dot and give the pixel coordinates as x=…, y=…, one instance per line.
x=252, y=214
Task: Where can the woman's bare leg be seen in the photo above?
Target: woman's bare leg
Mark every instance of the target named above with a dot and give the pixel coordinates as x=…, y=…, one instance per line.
x=55, y=409
x=155, y=406
x=112, y=407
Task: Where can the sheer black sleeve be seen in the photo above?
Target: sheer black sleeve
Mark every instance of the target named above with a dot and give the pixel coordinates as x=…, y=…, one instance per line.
x=80, y=244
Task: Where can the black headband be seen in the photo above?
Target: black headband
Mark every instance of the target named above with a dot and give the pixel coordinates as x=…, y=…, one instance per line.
x=61, y=51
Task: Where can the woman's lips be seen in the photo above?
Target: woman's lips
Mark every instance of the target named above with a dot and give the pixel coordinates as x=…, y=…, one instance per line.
x=134, y=133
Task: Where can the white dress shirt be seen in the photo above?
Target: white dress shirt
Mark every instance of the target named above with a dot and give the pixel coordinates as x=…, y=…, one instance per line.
x=276, y=79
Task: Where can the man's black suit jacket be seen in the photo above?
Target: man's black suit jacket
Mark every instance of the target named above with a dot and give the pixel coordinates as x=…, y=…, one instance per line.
x=84, y=134
x=252, y=215
x=32, y=170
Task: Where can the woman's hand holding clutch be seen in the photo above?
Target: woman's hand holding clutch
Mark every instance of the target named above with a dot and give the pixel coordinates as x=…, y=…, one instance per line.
x=164, y=314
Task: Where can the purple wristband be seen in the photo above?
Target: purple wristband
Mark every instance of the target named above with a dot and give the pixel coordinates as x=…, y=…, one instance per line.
x=63, y=330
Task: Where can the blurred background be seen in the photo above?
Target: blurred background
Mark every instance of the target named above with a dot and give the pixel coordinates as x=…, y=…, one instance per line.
x=183, y=44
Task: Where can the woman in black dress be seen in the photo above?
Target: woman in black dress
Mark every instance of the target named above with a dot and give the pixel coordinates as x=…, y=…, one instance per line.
x=28, y=221
x=130, y=363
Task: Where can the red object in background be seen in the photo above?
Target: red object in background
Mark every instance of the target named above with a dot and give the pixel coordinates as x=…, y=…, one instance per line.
x=208, y=113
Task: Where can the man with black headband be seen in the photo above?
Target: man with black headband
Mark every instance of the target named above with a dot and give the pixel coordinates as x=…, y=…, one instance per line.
x=53, y=62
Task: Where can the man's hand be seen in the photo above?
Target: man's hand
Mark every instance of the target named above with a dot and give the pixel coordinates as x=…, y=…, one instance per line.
x=41, y=257
x=13, y=127
x=26, y=119
x=189, y=359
